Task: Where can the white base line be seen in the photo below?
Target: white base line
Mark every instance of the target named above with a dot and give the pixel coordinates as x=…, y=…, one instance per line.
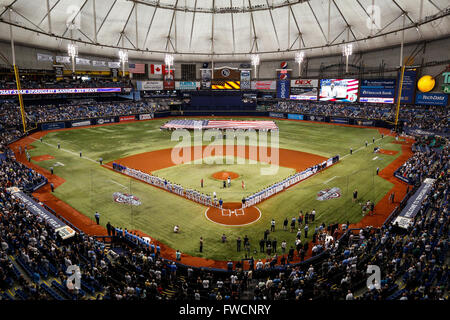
x=118, y=184
x=329, y=180
x=68, y=151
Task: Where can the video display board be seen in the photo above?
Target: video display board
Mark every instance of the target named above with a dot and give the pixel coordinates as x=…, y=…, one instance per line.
x=341, y=90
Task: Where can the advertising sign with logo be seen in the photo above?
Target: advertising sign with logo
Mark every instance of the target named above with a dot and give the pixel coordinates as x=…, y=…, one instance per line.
x=295, y=116
x=304, y=89
x=146, y=116
x=103, y=120
x=276, y=115
x=283, y=85
x=264, y=85
x=365, y=123
x=53, y=125
x=169, y=80
x=339, y=90
x=328, y=194
x=432, y=99
x=245, y=79
x=150, y=85
x=377, y=91
x=127, y=118
x=227, y=73
x=316, y=118
x=81, y=123
x=186, y=85
x=408, y=87
x=339, y=120
x=205, y=82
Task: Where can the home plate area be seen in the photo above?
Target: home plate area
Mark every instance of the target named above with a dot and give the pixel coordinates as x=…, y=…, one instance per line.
x=232, y=214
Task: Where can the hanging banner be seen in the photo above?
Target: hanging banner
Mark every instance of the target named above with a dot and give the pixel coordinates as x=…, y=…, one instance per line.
x=225, y=85
x=245, y=79
x=44, y=57
x=186, y=85
x=205, y=79
x=149, y=85
x=83, y=62
x=59, y=73
x=304, y=89
x=112, y=64
x=408, y=86
x=283, y=84
x=169, y=80
x=96, y=63
x=62, y=59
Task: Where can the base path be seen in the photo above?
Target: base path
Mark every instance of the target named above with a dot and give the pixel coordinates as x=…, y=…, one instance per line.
x=232, y=214
x=223, y=175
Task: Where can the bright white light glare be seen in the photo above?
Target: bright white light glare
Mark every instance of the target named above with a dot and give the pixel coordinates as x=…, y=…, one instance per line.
x=299, y=56
x=123, y=56
x=72, y=50
x=255, y=59
x=168, y=59
x=347, y=51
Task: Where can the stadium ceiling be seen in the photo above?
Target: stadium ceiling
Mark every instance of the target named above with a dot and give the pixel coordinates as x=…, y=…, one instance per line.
x=223, y=30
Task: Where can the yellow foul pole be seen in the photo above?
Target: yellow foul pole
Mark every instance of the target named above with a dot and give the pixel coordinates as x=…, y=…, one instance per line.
x=399, y=95
x=22, y=110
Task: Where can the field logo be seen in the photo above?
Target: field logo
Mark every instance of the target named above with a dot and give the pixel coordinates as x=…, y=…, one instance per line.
x=126, y=198
x=328, y=194
x=260, y=146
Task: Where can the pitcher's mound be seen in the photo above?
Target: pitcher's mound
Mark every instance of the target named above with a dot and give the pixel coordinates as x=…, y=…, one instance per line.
x=223, y=175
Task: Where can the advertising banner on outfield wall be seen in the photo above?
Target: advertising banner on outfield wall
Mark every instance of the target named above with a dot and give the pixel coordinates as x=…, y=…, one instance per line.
x=127, y=118
x=432, y=99
x=105, y=120
x=317, y=118
x=365, y=123
x=295, y=116
x=339, y=120
x=264, y=85
x=53, y=125
x=276, y=115
x=81, y=123
x=283, y=84
x=377, y=90
x=146, y=116
x=304, y=89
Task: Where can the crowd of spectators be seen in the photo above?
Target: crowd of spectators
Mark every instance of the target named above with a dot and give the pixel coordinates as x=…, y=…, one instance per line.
x=431, y=118
x=10, y=115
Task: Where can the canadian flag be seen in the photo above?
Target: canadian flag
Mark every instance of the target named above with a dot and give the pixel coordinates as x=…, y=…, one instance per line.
x=157, y=69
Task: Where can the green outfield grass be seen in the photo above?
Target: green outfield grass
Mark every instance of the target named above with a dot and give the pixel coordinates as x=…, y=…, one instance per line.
x=190, y=174
x=89, y=187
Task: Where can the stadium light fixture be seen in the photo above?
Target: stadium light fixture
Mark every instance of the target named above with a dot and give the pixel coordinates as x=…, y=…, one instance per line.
x=123, y=58
x=347, y=52
x=255, y=63
x=72, y=51
x=299, y=57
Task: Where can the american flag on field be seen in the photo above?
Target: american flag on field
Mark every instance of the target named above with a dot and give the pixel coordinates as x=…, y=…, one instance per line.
x=136, y=67
x=245, y=125
x=220, y=124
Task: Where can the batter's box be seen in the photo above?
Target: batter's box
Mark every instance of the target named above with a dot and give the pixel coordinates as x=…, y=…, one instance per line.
x=226, y=213
x=239, y=212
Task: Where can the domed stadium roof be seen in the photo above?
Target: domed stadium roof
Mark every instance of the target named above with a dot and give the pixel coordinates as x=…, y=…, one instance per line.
x=196, y=30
